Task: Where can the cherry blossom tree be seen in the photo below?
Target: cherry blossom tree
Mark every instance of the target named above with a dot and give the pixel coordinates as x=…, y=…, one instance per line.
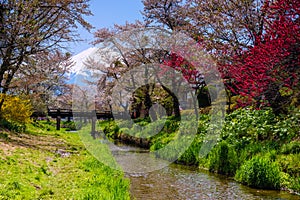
x=28, y=28
x=42, y=78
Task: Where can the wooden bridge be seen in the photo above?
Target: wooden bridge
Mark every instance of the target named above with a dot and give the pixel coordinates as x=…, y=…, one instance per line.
x=81, y=115
x=68, y=113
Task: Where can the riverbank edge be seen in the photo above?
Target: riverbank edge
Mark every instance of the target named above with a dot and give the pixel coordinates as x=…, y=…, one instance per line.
x=131, y=140
x=146, y=144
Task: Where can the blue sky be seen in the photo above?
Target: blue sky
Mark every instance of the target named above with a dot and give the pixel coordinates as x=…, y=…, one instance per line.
x=106, y=14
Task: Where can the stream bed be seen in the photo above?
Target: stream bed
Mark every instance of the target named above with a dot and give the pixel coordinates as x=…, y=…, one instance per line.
x=174, y=181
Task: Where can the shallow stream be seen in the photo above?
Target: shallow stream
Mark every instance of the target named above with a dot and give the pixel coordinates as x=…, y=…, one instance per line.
x=182, y=182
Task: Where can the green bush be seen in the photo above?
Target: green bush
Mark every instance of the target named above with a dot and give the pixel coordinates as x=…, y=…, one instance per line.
x=69, y=125
x=191, y=155
x=247, y=151
x=142, y=121
x=12, y=126
x=259, y=172
x=290, y=164
x=295, y=185
x=291, y=148
x=171, y=125
x=244, y=125
x=223, y=159
x=287, y=126
x=110, y=129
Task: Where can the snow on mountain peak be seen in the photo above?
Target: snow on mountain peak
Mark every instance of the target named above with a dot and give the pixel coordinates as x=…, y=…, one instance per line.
x=80, y=58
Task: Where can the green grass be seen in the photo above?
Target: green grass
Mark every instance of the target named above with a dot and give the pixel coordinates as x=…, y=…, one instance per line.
x=47, y=164
x=247, y=134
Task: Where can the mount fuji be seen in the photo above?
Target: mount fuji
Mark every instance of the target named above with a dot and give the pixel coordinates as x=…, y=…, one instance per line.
x=79, y=68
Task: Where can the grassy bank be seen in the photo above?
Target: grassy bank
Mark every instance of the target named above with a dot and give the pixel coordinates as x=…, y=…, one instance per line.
x=256, y=147
x=43, y=163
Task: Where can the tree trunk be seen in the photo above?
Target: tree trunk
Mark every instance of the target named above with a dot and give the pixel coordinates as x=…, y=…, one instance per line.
x=147, y=102
x=175, y=102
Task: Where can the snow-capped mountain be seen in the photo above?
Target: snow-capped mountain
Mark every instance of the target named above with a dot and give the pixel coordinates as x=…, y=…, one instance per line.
x=78, y=68
x=80, y=58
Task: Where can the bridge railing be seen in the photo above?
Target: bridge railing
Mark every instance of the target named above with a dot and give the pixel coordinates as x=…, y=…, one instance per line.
x=69, y=113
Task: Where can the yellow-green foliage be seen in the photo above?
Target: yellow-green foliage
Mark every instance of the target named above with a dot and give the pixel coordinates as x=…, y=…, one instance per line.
x=16, y=109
